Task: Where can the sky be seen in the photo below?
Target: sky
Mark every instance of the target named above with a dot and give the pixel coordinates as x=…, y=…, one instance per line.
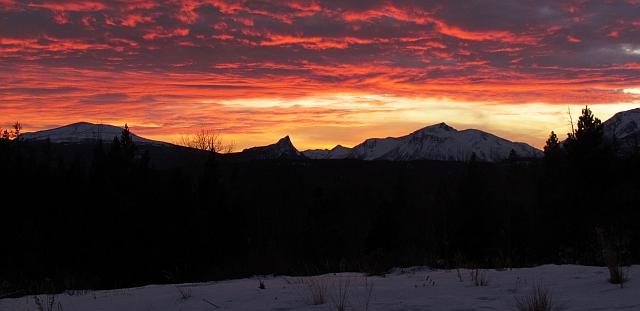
x=323, y=72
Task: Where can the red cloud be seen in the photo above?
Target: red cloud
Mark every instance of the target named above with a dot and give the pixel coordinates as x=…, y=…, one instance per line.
x=316, y=42
x=160, y=33
x=133, y=20
x=70, y=5
x=573, y=39
x=175, y=60
x=503, y=36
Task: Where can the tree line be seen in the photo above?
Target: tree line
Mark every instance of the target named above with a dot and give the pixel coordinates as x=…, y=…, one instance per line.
x=119, y=221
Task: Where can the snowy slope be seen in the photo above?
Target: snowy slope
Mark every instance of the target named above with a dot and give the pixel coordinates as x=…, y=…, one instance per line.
x=573, y=288
x=623, y=124
x=338, y=152
x=442, y=142
x=84, y=132
x=283, y=149
x=624, y=129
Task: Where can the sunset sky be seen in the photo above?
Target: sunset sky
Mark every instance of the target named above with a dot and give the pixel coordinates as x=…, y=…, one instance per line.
x=323, y=72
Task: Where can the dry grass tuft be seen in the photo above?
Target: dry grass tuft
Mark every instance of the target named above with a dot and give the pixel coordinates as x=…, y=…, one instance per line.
x=317, y=288
x=540, y=299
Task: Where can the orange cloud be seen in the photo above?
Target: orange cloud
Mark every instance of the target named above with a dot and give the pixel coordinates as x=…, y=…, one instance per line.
x=134, y=19
x=258, y=68
x=70, y=5
x=160, y=33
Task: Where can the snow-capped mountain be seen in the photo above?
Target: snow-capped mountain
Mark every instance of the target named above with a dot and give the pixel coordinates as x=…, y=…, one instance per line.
x=338, y=152
x=623, y=124
x=84, y=132
x=283, y=149
x=624, y=129
x=442, y=142
x=435, y=142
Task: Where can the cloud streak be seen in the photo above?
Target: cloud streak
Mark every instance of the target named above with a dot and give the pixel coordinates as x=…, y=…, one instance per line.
x=171, y=65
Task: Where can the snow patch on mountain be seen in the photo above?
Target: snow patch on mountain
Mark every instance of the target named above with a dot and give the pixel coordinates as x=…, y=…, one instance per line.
x=623, y=130
x=442, y=142
x=83, y=132
x=623, y=124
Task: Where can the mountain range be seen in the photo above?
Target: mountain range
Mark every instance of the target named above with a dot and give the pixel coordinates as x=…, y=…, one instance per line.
x=435, y=142
x=82, y=132
x=624, y=130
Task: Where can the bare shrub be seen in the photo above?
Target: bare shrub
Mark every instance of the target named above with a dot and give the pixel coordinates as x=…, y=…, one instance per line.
x=47, y=303
x=185, y=292
x=317, y=289
x=340, y=297
x=618, y=275
x=460, y=279
x=540, y=299
x=479, y=277
x=613, y=251
x=207, y=140
x=368, y=294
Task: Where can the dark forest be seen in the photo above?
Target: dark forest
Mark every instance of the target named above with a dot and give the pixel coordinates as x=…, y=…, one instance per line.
x=106, y=215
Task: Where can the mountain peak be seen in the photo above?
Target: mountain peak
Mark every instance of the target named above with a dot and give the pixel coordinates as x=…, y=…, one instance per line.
x=623, y=130
x=285, y=141
x=436, y=128
x=283, y=149
x=82, y=123
x=623, y=124
x=442, y=126
x=83, y=132
x=442, y=142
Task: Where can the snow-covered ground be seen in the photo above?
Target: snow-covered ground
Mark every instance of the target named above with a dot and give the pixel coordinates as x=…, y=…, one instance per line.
x=573, y=288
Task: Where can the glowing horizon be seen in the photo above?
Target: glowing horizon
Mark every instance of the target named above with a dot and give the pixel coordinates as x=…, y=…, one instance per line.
x=323, y=72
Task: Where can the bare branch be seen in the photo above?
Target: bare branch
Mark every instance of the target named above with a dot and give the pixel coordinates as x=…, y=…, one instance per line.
x=207, y=140
x=573, y=131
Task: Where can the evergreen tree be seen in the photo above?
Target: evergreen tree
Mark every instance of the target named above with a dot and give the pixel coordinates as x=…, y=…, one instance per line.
x=127, y=145
x=123, y=149
x=552, y=146
x=587, y=140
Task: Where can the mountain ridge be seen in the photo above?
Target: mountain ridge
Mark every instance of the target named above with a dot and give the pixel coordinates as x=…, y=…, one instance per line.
x=434, y=142
x=437, y=142
x=82, y=132
x=623, y=129
x=283, y=149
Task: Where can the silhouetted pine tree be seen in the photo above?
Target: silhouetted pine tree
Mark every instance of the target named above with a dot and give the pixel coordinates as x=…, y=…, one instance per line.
x=590, y=163
x=552, y=146
x=554, y=156
x=586, y=142
x=127, y=145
